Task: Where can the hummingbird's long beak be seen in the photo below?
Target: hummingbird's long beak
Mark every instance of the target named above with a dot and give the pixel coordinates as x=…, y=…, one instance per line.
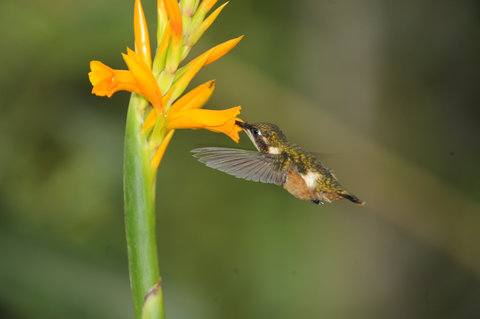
x=245, y=126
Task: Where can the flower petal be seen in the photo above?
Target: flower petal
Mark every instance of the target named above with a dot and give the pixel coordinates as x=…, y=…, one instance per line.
x=206, y=5
x=162, y=47
x=142, y=39
x=107, y=81
x=144, y=78
x=195, y=98
x=200, y=30
x=222, y=121
x=180, y=84
x=222, y=49
x=162, y=19
x=150, y=120
x=173, y=11
x=159, y=61
x=214, y=54
x=157, y=157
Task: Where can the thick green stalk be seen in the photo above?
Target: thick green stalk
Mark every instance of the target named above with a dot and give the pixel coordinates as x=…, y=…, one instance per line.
x=139, y=196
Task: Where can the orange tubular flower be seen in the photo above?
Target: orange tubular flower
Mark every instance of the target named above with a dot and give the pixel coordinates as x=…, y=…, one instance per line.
x=217, y=121
x=107, y=81
x=144, y=78
x=185, y=111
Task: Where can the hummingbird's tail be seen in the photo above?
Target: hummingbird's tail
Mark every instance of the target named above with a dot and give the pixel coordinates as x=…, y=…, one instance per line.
x=352, y=198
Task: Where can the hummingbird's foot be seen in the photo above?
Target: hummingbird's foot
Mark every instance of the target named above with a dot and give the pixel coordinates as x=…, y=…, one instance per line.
x=316, y=201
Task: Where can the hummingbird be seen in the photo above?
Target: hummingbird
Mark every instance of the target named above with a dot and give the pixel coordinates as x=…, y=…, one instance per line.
x=277, y=161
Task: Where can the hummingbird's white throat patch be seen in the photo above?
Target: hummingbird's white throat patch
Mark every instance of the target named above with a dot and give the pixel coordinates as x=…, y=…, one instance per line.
x=311, y=178
x=250, y=136
x=274, y=150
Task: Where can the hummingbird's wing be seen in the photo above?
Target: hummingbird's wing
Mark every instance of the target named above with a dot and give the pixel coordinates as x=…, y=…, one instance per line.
x=249, y=165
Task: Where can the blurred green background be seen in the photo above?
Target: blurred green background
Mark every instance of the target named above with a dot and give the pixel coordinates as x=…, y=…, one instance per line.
x=388, y=89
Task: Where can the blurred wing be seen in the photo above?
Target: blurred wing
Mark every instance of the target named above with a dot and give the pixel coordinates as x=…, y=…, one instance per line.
x=249, y=165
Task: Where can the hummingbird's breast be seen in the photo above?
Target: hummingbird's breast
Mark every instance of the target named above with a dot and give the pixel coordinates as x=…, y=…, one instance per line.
x=308, y=179
x=299, y=185
x=312, y=186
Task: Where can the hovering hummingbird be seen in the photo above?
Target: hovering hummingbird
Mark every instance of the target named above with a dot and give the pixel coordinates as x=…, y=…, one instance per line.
x=277, y=162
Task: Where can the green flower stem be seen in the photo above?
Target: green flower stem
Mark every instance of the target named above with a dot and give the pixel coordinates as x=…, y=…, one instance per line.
x=139, y=196
x=151, y=309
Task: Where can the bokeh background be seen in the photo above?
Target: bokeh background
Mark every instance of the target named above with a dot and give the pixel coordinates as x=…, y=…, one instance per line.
x=388, y=90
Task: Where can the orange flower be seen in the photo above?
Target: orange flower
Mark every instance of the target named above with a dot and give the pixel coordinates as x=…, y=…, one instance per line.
x=146, y=83
x=107, y=81
x=140, y=79
x=185, y=112
x=217, y=121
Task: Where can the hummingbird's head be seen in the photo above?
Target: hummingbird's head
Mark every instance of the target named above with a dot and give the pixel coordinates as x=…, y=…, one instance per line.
x=267, y=137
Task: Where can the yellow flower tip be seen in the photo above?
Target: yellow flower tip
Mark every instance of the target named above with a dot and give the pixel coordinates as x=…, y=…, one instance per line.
x=162, y=12
x=221, y=7
x=211, y=84
x=142, y=39
x=206, y=5
x=208, y=21
x=200, y=30
x=220, y=50
x=144, y=79
x=157, y=157
x=106, y=81
x=175, y=16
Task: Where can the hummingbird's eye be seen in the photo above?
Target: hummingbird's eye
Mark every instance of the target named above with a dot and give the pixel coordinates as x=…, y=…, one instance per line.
x=255, y=131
